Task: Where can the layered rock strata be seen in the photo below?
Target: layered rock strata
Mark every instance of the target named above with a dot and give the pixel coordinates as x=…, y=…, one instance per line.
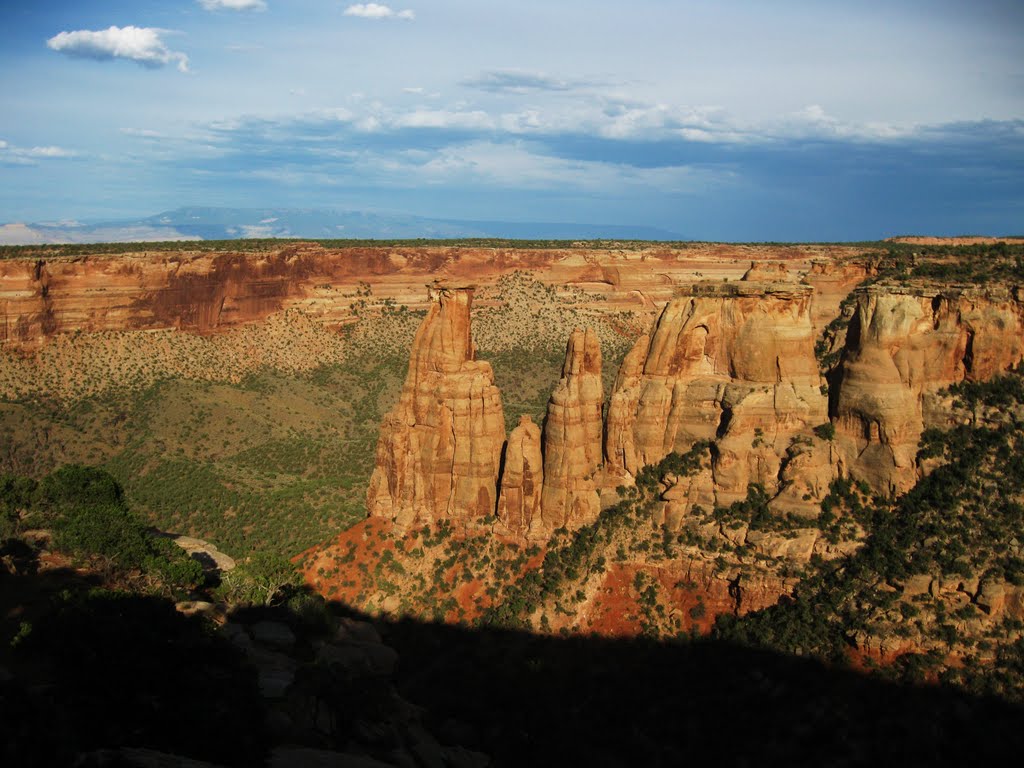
x=209, y=292
x=439, y=450
x=731, y=362
x=903, y=345
x=573, y=436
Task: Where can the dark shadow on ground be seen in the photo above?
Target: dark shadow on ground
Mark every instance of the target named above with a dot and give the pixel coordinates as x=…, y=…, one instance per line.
x=529, y=700
x=132, y=671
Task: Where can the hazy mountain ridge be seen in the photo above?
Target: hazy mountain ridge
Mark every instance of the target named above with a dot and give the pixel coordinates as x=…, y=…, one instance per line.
x=201, y=223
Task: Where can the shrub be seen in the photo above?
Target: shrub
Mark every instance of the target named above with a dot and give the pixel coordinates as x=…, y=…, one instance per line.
x=265, y=579
x=826, y=431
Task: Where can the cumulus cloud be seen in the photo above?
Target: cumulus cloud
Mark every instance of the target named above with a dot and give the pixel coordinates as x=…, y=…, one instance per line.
x=377, y=11
x=233, y=5
x=442, y=118
x=139, y=44
x=12, y=155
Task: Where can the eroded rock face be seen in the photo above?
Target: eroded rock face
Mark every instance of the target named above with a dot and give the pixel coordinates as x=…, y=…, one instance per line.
x=440, y=448
x=903, y=345
x=733, y=362
x=522, y=479
x=573, y=436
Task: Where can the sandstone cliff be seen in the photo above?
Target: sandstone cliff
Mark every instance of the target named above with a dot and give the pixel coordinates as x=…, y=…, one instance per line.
x=522, y=479
x=45, y=295
x=732, y=362
x=440, y=448
x=573, y=437
x=903, y=345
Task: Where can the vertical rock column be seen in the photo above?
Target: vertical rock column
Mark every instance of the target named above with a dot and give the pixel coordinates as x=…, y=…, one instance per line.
x=440, y=447
x=573, y=436
x=522, y=479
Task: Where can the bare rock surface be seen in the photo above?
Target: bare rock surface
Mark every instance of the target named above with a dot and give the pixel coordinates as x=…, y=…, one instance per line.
x=206, y=553
x=905, y=344
x=572, y=437
x=522, y=479
x=440, y=448
x=732, y=362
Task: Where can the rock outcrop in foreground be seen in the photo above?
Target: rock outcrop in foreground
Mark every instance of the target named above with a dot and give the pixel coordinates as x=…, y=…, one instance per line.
x=440, y=448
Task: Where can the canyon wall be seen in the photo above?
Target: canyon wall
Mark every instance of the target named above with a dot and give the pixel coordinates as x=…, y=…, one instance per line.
x=207, y=292
x=733, y=363
x=904, y=344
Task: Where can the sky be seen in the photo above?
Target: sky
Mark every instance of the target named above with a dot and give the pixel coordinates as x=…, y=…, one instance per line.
x=714, y=119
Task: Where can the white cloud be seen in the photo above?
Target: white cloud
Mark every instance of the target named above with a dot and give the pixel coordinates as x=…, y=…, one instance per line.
x=518, y=165
x=12, y=155
x=47, y=152
x=813, y=122
x=139, y=44
x=440, y=118
x=378, y=11
x=233, y=5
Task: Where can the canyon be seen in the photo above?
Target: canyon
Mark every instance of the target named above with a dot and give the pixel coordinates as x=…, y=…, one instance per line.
x=527, y=396
x=44, y=296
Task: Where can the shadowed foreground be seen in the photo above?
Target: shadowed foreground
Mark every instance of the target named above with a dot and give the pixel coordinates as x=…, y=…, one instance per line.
x=108, y=669
x=562, y=701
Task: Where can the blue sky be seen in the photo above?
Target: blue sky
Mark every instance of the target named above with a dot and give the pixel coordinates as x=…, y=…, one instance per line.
x=733, y=120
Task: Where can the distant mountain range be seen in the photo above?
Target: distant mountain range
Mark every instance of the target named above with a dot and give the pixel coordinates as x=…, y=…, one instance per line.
x=237, y=223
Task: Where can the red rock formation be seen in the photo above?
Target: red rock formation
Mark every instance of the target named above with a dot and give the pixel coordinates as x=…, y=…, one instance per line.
x=904, y=344
x=209, y=292
x=522, y=479
x=572, y=437
x=440, y=448
x=732, y=361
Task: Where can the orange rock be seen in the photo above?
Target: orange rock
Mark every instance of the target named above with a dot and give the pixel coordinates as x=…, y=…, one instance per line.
x=903, y=345
x=727, y=361
x=573, y=436
x=522, y=479
x=440, y=448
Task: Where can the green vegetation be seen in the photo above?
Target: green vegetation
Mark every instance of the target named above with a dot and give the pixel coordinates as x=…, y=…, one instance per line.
x=972, y=264
x=273, y=244
x=959, y=525
x=264, y=579
x=573, y=556
x=267, y=464
x=87, y=512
